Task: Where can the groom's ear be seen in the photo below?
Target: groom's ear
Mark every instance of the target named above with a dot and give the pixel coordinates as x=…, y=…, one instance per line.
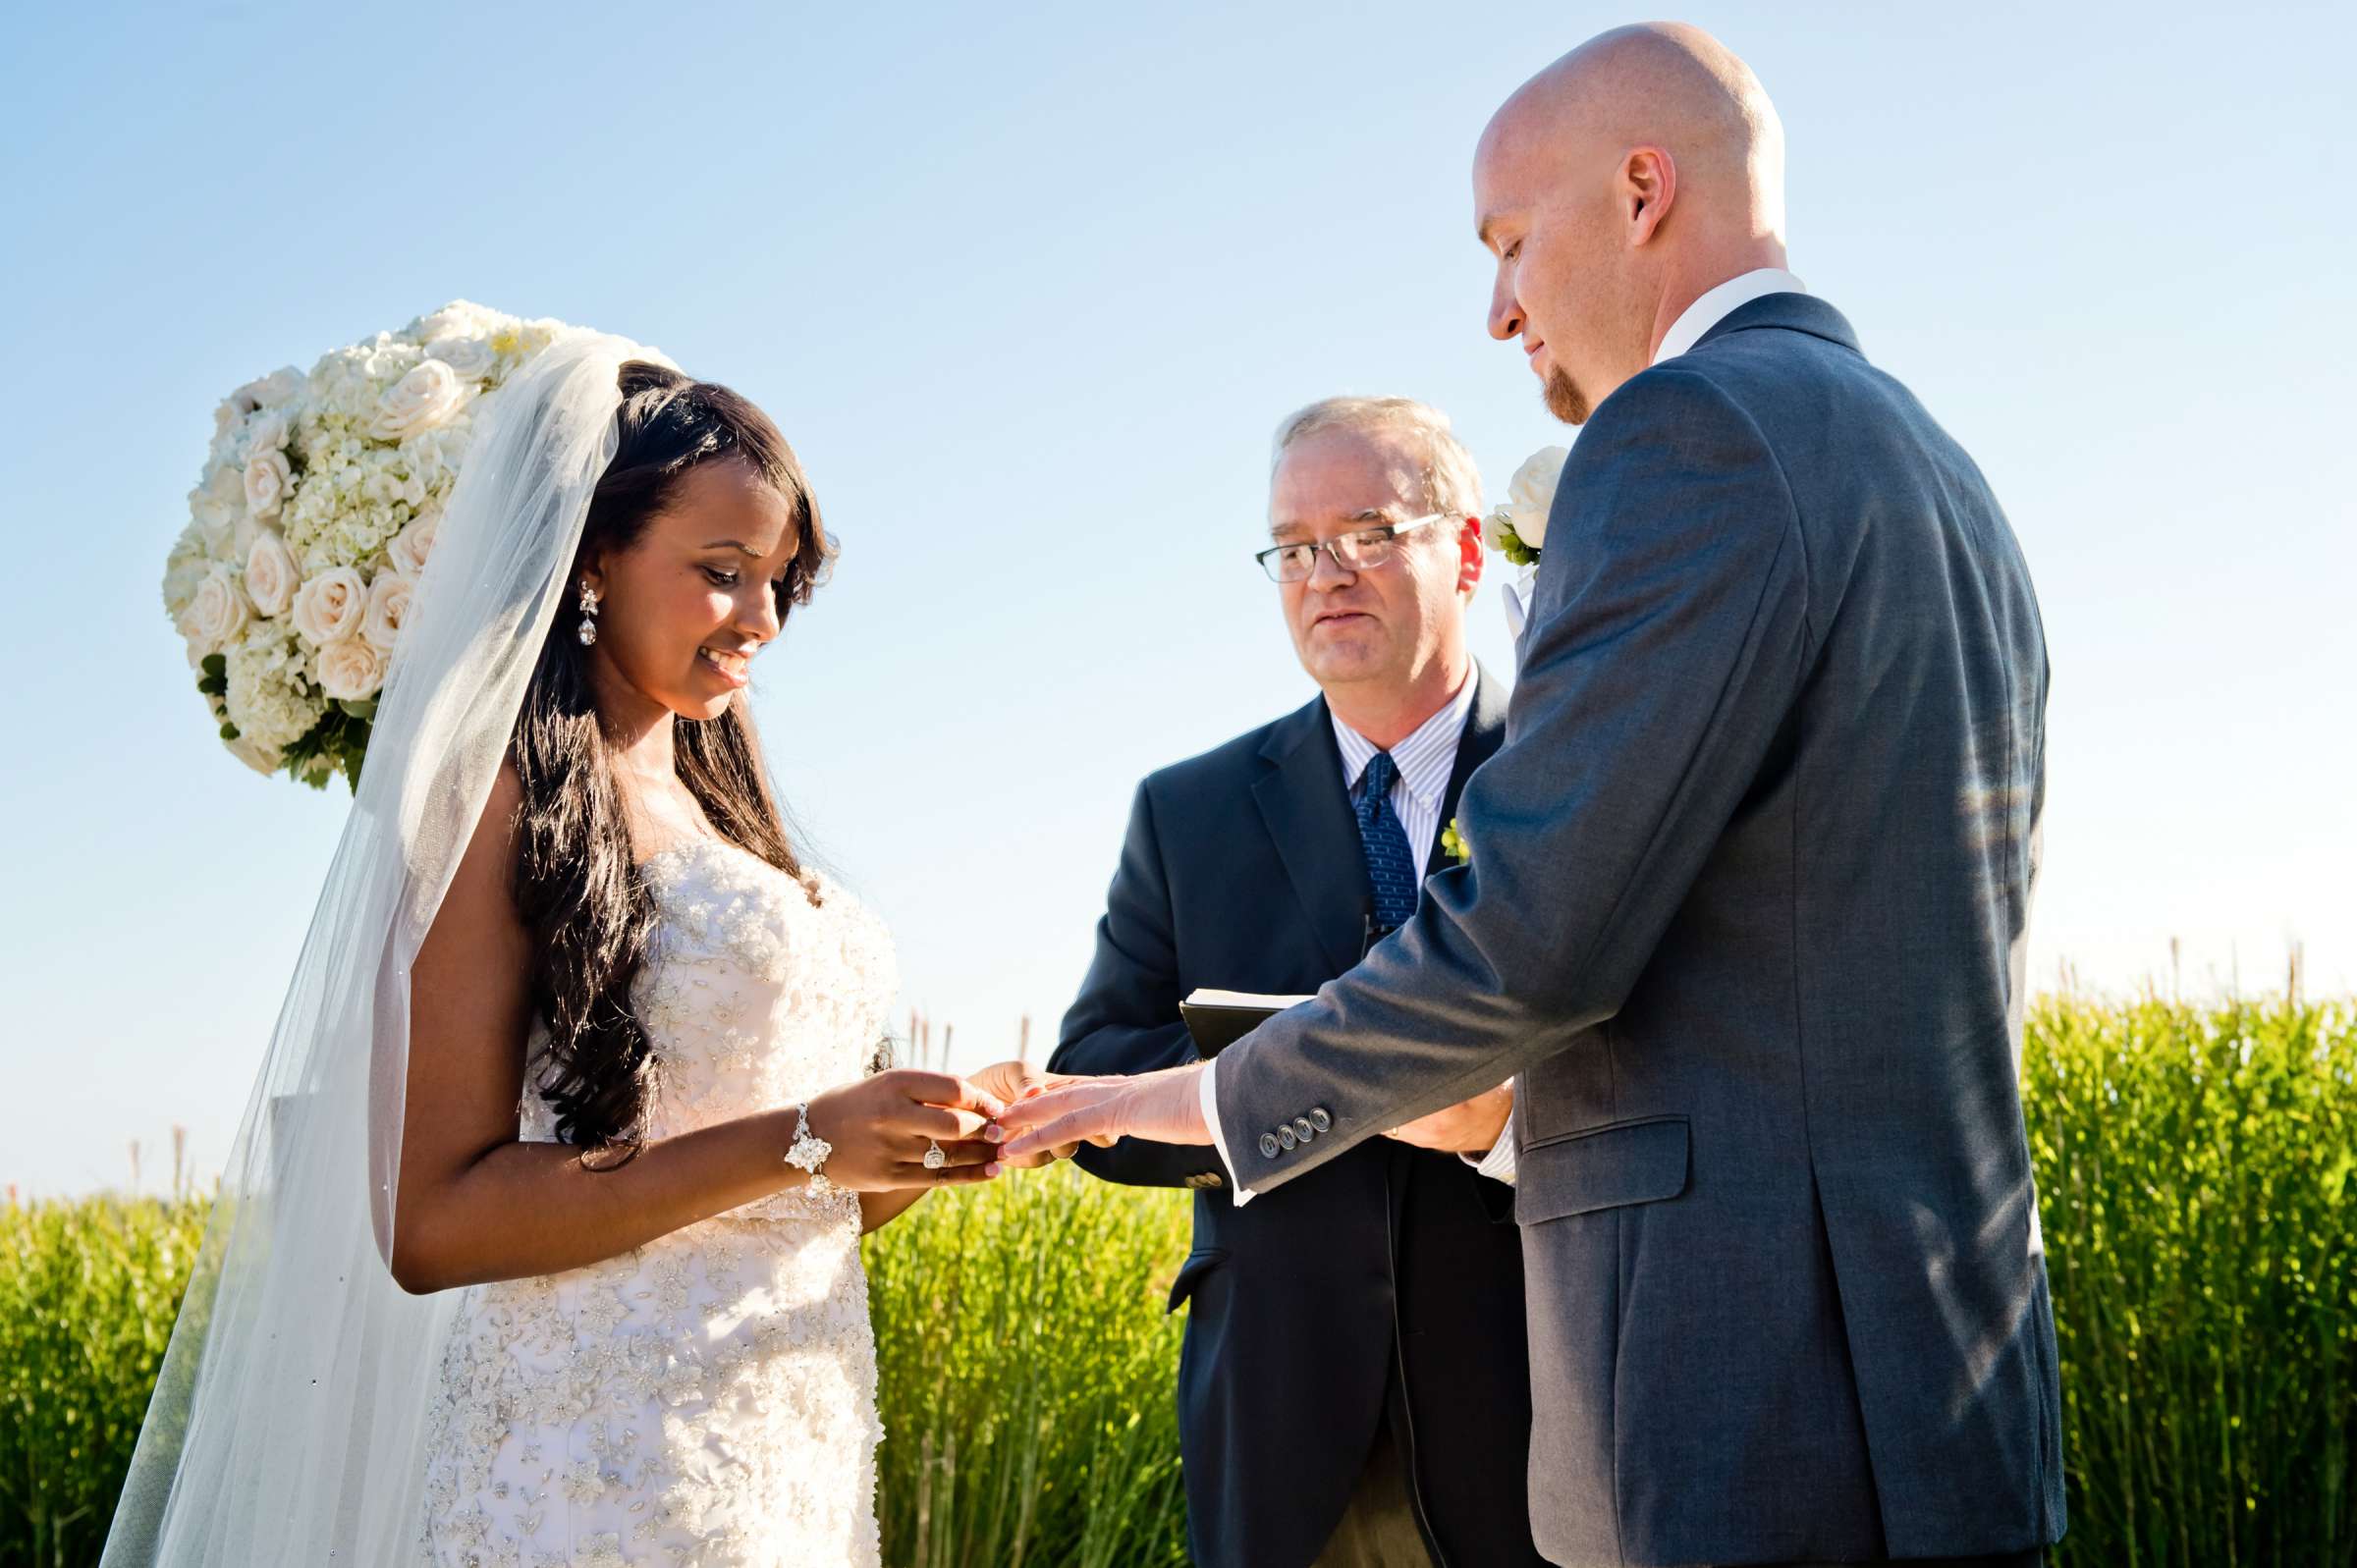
x=1648, y=189
x=1468, y=555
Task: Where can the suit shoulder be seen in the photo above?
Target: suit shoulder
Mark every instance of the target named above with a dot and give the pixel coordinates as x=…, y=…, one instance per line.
x=1231, y=764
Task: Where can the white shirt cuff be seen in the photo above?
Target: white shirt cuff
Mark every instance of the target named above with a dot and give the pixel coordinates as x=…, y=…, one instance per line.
x=1499, y=1164
x=1210, y=1100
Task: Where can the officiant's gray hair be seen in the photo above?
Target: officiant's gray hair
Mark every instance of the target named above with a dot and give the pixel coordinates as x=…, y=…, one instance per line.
x=1452, y=484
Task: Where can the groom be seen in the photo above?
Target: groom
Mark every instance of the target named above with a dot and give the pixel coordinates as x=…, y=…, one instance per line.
x=1748, y=894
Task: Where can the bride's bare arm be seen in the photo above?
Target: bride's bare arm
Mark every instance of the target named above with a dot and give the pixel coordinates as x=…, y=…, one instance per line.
x=473, y=1202
x=880, y=1209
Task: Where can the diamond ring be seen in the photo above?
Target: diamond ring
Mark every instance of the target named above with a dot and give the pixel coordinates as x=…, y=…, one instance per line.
x=934, y=1158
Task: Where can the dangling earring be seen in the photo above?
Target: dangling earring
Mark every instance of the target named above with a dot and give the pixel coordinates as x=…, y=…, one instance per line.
x=589, y=632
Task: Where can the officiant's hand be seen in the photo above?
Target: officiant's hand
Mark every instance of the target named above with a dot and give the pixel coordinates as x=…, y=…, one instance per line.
x=1017, y=1081
x=882, y=1127
x=1468, y=1127
x=1160, y=1106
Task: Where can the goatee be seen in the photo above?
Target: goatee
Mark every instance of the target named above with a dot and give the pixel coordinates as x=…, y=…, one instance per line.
x=1564, y=401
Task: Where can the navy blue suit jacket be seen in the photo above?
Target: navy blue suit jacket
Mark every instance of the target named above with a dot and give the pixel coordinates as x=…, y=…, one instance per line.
x=1388, y=1286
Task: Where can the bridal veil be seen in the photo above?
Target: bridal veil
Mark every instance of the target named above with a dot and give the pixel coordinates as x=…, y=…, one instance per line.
x=288, y=1422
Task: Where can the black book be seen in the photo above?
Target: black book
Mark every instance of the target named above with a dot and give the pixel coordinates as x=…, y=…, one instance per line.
x=1219, y=1018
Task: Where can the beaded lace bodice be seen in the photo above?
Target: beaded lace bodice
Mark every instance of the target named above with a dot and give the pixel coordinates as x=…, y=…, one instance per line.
x=710, y=1397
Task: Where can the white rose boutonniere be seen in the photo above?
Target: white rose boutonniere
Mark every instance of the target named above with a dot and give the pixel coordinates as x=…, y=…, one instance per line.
x=1518, y=525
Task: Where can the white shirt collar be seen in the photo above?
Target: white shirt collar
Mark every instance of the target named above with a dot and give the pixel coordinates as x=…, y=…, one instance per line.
x=1721, y=302
x=1423, y=772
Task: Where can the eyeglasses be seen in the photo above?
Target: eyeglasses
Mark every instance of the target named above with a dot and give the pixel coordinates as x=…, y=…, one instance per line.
x=1356, y=551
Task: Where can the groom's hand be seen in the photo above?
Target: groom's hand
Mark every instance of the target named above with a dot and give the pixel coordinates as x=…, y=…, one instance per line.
x=1468, y=1127
x=1160, y=1106
x=1015, y=1082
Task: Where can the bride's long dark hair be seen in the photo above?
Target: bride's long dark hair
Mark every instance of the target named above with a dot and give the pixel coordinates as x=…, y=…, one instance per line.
x=577, y=883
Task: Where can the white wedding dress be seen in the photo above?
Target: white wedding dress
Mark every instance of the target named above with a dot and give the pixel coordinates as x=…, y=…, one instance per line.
x=709, y=1398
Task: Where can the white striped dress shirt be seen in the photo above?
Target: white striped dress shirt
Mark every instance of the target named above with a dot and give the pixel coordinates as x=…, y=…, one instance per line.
x=1425, y=761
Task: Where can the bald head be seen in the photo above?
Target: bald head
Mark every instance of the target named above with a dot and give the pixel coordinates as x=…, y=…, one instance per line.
x=1627, y=179
x=1658, y=84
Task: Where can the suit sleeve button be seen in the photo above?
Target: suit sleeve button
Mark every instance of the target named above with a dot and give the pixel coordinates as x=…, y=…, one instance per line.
x=1287, y=1137
x=1319, y=1119
x=1303, y=1129
x=1268, y=1146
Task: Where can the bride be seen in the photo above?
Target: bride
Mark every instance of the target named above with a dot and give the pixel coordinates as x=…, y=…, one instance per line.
x=540, y=1241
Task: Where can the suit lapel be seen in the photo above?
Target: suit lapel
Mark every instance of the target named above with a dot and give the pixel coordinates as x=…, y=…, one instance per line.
x=1485, y=730
x=1300, y=798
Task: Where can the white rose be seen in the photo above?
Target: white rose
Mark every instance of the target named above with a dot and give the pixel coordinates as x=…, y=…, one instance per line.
x=270, y=431
x=184, y=569
x=276, y=387
x=424, y=397
x=1531, y=494
x=271, y=576
x=261, y=759
x=190, y=644
x=267, y=481
x=242, y=537
x=473, y=358
x=218, y=612
x=459, y=317
x=388, y=608
x=411, y=546
x=331, y=607
x=217, y=505
x=351, y=669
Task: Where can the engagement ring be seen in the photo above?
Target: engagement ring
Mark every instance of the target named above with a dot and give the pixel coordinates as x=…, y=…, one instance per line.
x=934, y=1158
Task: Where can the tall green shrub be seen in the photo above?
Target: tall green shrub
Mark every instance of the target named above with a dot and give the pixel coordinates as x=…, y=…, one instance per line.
x=88, y=1292
x=2194, y=1172
x=1026, y=1377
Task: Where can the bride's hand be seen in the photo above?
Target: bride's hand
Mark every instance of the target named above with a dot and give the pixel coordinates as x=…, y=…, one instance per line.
x=881, y=1128
x=1015, y=1081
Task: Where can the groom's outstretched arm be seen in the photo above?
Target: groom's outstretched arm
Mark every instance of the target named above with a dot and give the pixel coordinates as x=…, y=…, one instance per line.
x=1668, y=631
x=1126, y=1019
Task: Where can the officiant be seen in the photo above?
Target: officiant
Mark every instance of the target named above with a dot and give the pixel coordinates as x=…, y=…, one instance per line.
x=1355, y=1390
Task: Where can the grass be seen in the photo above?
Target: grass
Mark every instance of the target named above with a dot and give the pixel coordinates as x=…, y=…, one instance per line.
x=2194, y=1172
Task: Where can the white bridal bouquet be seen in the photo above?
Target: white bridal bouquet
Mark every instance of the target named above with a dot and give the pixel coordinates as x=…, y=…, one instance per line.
x=313, y=517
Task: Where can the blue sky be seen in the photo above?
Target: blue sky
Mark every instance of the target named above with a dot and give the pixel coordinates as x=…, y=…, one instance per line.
x=1028, y=291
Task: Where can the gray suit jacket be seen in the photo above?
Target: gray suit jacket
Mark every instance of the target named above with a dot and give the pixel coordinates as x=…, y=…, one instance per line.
x=1746, y=907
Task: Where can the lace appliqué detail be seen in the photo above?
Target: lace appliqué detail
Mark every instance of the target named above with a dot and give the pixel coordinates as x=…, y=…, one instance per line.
x=709, y=1398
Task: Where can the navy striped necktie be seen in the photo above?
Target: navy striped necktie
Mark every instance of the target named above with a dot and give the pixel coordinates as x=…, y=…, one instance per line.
x=1390, y=866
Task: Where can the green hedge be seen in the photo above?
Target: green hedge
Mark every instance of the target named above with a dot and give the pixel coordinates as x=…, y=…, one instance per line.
x=2194, y=1166
x=2201, y=1235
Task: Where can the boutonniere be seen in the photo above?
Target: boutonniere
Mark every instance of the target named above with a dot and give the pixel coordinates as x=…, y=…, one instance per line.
x=1519, y=524
x=1452, y=841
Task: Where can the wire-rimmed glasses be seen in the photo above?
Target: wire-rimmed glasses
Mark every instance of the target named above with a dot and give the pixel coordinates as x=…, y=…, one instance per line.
x=1359, y=550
